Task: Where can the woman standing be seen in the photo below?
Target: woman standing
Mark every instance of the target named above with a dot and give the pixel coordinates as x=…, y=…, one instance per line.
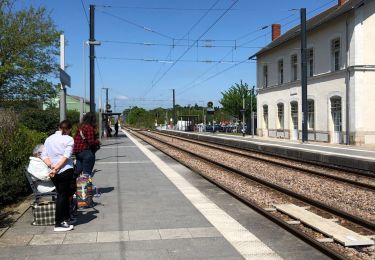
x=56, y=154
x=85, y=143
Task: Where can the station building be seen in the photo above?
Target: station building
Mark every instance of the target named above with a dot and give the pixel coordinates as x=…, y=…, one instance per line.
x=341, y=77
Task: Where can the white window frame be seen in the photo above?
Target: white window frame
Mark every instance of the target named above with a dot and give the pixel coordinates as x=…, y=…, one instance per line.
x=280, y=115
x=310, y=62
x=311, y=114
x=334, y=49
x=265, y=76
x=280, y=71
x=265, y=116
x=293, y=68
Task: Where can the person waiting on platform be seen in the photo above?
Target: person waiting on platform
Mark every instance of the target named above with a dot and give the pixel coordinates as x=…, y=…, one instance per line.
x=56, y=154
x=86, y=144
x=39, y=171
x=116, y=128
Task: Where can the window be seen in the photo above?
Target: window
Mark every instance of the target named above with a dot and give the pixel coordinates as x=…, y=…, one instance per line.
x=294, y=114
x=335, y=54
x=294, y=65
x=310, y=62
x=265, y=116
x=336, y=113
x=310, y=114
x=265, y=76
x=280, y=115
x=281, y=71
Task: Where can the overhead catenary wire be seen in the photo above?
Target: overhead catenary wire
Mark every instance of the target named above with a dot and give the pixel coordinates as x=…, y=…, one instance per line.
x=194, y=84
x=149, y=29
x=183, y=54
x=148, y=44
x=186, y=34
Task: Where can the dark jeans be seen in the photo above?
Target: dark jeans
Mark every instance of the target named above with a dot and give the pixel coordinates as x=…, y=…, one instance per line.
x=85, y=162
x=62, y=182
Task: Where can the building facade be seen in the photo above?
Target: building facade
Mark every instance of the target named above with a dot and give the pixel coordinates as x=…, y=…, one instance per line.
x=341, y=78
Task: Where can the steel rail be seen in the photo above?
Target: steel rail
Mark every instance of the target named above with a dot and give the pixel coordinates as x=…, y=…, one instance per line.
x=295, y=231
x=283, y=164
x=321, y=164
x=340, y=213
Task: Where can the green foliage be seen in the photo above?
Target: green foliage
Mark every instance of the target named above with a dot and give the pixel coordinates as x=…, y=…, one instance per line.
x=40, y=120
x=139, y=117
x=46, y=121
x=232, y=100
x=29, y=45
x=17, y=145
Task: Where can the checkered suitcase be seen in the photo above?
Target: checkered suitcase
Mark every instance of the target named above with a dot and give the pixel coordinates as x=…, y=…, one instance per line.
x=44, y=213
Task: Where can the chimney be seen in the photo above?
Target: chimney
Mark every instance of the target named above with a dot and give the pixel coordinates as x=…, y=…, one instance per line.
x=276, y=31
x=341, y=2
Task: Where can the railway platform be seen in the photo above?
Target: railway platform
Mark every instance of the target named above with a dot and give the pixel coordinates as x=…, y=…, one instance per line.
x=348, y=157
x=152, y=207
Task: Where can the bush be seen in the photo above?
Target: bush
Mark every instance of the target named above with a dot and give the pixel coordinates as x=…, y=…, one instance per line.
x=17, y=145
x=46, y=121
x=40, y=120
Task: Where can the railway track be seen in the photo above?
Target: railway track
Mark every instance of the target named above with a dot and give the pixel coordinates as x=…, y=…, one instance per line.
x=363, y=223
x=362, y=180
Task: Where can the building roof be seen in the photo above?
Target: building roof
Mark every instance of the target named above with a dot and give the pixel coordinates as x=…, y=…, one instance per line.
x=78, y=98
x=313, y=23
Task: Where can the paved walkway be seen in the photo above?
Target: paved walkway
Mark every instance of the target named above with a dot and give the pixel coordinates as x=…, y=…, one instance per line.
x=153, y=208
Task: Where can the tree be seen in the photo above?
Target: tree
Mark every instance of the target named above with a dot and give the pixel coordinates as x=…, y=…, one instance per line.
x=29, y=44
x=232, y=100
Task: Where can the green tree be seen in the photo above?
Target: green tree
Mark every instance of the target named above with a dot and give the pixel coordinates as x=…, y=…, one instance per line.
x=232, y=100
x=29, y=43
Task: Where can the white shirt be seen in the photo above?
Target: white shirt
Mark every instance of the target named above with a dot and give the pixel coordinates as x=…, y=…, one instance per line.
x=39, y=171
x=57, y=146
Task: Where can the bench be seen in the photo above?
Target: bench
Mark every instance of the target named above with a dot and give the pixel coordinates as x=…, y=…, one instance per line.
x=38, y=194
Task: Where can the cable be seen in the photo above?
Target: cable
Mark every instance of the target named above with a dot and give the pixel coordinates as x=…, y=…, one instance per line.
x=164, y=61
x=161, y=8
x=187, y=87
x=187, y=33
x=148, y=44
x=84, y=10
x=209, y=28
x=138, y=25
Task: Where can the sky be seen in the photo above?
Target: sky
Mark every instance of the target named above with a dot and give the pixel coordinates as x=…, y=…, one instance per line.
x=200, y=48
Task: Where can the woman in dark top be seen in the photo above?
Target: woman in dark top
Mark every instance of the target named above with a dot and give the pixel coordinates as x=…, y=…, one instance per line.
x=85, y=143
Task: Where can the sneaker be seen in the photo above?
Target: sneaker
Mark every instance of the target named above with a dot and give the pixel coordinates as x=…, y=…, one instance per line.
x=64, y=226
x=72, y=220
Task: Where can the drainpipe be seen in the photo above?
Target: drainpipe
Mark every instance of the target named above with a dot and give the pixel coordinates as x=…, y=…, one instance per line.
x=347, y=83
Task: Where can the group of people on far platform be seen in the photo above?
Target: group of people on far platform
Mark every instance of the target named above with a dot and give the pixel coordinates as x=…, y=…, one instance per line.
x=53, y=166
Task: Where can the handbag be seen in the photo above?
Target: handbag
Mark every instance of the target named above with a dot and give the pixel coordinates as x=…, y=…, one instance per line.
x=93, y=149
x=44, y=213
x=84, y=191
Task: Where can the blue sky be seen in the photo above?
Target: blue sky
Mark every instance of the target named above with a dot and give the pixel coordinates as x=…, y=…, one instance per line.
x=143, y=56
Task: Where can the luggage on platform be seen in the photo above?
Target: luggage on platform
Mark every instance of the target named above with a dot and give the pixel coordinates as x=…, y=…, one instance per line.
x=84, y=191
x=44, y=213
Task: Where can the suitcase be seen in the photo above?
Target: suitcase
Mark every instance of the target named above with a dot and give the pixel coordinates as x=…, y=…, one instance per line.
x=84, y=191
x=44, y=213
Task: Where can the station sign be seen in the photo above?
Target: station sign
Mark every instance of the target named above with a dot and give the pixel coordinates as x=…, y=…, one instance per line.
x=64, y=78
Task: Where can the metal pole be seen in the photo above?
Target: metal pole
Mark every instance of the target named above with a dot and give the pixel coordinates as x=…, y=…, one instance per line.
x=304, y=75
x=84, y=77
x=100, y=117
x=174, y=107
x=62, y=87
x=252, y=113
x=106, y=99
x=243, y=115
x=92, y=58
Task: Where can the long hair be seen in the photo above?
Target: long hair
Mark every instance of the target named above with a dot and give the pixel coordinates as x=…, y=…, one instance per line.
x=89, y=119
x=65, y=126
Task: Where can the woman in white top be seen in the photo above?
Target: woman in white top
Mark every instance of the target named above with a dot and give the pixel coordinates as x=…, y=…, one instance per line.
x=56, y=154
x=39, y=171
